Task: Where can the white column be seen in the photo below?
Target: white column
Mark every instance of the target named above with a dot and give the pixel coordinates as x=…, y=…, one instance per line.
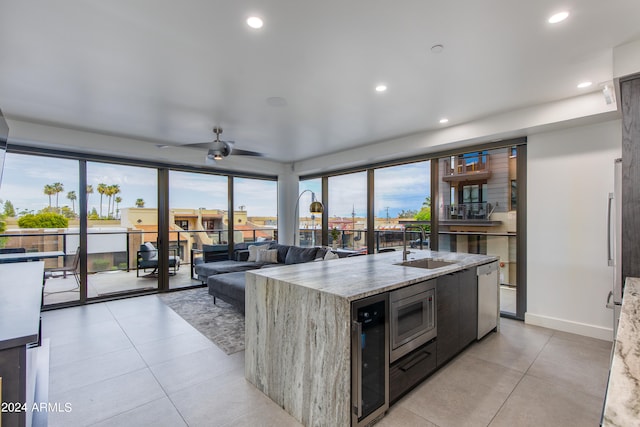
x=287, y=196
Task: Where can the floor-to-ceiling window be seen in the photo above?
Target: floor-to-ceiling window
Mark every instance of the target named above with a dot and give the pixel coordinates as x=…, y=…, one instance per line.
x=122, y=229
x=198, y=206
x=309, y=224
x=477, y=211
x=348, y=211
x=255, y=210
x=39, y=209
x=402, y=198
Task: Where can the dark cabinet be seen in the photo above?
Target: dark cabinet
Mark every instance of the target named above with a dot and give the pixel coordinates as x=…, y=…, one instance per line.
x=468, y=307
x=410, y=370
x=630, y=100
x=457, y=321
x=448, y=307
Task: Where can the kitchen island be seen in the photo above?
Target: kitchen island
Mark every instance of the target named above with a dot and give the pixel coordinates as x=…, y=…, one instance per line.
x=298, y=326
x=621, y=405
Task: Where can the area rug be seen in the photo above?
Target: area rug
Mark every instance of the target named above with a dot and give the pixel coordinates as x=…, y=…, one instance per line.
x=219, y=322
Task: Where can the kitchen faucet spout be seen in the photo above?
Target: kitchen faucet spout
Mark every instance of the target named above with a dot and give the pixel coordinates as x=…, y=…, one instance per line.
x=405, y=252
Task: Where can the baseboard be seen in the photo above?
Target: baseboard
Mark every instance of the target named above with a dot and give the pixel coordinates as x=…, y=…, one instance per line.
x=564, y=325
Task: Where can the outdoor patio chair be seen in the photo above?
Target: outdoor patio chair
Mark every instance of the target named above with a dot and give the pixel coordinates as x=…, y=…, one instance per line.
x=147, y=258
x=67, y=269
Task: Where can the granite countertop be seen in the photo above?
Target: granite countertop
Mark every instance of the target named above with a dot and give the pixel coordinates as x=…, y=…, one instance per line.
x=359, y=277
x=622, y=405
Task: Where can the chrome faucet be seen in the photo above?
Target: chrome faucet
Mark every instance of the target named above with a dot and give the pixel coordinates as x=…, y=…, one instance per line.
x=405, y=252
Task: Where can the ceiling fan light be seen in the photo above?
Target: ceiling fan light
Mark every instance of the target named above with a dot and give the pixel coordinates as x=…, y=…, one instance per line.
x=217, y=156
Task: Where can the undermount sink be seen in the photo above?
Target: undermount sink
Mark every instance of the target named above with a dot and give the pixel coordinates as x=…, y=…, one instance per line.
x=428, y=263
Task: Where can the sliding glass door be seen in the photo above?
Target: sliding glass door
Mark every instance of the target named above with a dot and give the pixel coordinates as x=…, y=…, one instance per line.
x=255, y=211
x=348, y=212
x=198, y=222
x=402, y=198
x=122, y=229
x=39, y=215
x=478, y=212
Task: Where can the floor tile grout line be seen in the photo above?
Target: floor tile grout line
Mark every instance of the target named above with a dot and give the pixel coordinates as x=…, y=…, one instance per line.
x=122, y=413
x=151, y=370
x=524, y=374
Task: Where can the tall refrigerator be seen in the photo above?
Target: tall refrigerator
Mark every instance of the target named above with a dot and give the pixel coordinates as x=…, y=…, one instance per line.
x=614, y=245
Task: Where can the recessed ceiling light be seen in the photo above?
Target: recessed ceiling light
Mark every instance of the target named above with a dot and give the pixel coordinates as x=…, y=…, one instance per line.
x=444, y=120
x=254, y=22
x=584, y=84
x=381, y=88
x=558, y=17
x=276, y=101
x=437, y=48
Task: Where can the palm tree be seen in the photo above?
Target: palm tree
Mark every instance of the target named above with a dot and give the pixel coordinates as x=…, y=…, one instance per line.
x=113, y=190
x=139, y=203
x=89, y=191
x=58, y=188
x=49, y=191
x=102, y=188
x=71, y=195
x=118, y=201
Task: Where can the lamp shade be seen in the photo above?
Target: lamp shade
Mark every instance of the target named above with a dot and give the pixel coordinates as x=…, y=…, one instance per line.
x=316, y=207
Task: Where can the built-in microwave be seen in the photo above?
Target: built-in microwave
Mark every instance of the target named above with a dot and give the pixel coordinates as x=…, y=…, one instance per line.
x=412, y=317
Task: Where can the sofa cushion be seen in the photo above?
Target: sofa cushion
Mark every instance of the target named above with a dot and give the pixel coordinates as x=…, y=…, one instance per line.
x=253, y=253
x=282, y=252
x=268, y=256
x=297, y=255
x=148, y=252
x=220, y=267
x=230, y=287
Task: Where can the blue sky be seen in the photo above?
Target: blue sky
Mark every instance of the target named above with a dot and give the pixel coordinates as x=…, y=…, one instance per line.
x=398, y=188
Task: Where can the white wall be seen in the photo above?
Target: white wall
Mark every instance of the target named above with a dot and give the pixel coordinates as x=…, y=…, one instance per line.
x=569, y=177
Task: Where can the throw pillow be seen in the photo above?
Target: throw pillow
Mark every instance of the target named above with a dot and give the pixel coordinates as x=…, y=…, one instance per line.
x=267, y=255
x=253, y=252
x=330, y=255
x=297, y=255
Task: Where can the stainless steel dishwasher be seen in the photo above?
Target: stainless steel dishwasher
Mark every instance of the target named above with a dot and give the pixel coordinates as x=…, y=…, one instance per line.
x=488, y=298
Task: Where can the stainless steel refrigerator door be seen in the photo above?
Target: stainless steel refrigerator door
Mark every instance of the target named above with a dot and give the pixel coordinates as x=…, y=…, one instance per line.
x=617, y=236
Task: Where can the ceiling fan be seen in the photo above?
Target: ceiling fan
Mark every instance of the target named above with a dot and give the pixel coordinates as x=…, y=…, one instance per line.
x=218, y=149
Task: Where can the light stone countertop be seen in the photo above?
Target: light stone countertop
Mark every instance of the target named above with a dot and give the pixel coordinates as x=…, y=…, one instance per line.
x=622, y=406
x=362, y=276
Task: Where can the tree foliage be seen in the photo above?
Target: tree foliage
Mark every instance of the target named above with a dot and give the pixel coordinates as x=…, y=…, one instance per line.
x=43, y=220
x=409, y=213
x=9, y=210
x=424, y=214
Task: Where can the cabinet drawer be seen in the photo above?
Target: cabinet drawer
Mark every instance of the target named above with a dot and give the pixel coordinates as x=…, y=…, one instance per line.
x=407, y=372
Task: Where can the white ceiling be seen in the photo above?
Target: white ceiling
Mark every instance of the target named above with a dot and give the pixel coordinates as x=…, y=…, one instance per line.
x=168, y=71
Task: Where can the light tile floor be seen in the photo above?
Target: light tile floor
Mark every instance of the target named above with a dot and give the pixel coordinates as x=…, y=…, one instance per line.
x=135, y=362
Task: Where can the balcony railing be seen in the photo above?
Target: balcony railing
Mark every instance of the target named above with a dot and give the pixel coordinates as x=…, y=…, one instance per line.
x=468, y=167
x=467, y=211
x=357, y=239
x=117, y=250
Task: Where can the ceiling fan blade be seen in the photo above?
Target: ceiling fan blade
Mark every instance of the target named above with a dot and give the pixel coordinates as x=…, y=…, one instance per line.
x=197, y=145
x=239, y=152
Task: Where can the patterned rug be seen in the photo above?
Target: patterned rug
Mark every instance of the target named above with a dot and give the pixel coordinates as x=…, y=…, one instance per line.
x=221, y=323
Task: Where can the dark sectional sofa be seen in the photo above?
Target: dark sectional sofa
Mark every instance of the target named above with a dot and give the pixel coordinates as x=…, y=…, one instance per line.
x=226, y=279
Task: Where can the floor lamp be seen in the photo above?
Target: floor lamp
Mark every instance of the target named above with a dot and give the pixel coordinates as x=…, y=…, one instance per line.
x=314, y=208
